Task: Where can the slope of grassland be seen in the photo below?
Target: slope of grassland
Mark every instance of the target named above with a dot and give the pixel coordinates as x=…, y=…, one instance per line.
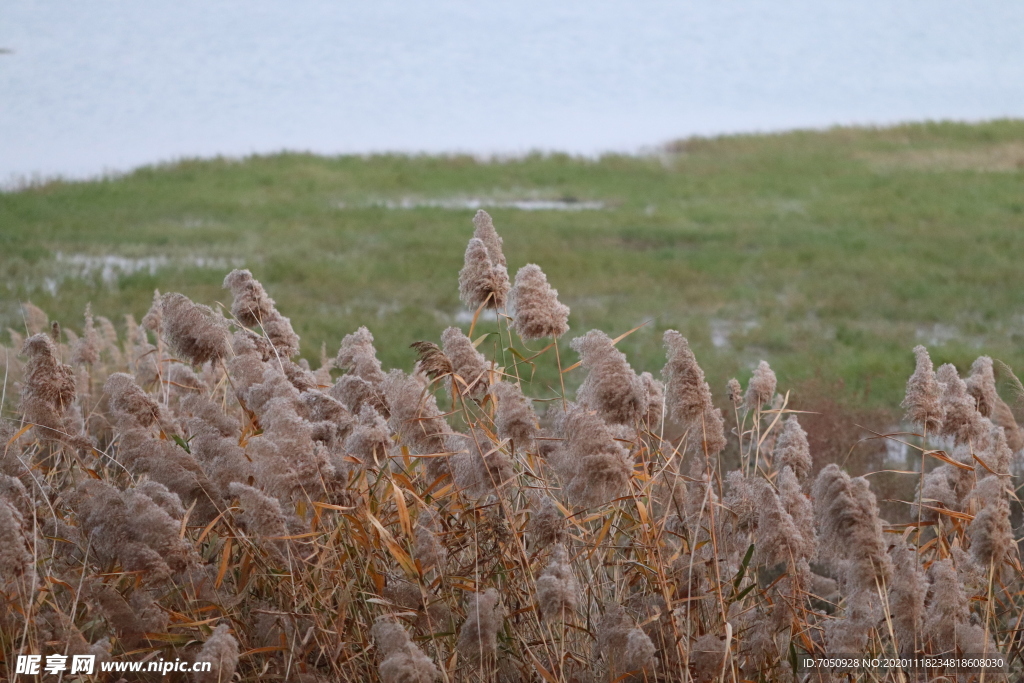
x=829, y=254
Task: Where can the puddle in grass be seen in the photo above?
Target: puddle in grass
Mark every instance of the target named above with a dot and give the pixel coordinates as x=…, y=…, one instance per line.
x=110, y=268
x=476, y=203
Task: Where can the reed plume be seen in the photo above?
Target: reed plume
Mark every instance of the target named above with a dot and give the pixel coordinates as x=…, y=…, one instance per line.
x=478, y=634
x=479, y=466
x=611, y=387
x=628, y=651
x=688, y=397
x=358, y=355
x=547, y=523
x=556, y=587
x=761, y=387
x=961, y=419
x=483, y=230
x=514, y=418
x=923, y=399
x=221, y=651
x=594, y=466
x=792, y=449
x=468, y=364
x=537, y=312
x=907, y=598
x=253, y=307
x=193, y=331
x=48, y=388
x=990, y=531
x=849, y=528
x=481, y=281
x=687, y=394
x=364, y=528
x=15, y=557
x=734, y=390
x=981, y=385
x=655, y=400
x=403, y=662
x=86, y=350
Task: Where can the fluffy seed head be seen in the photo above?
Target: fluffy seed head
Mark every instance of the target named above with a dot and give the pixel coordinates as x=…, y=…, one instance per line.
x=194, y=331
x=537, y=310
x=847, y=517
x=611, y=387
x=478, y=635
x=262, y=516
x=47, y=388
x=131, y=528
x=1002, y=416
x=639, y=653
x=688, y=395
x=981, y=385
x=761, y=388
x=483, y=230
x=480, y=280
x=427, y=548
x=431, y=359
x=128, y=399
x=468, y=363
x=479, y=466
x=370, y=438
x=252, y=307
x=962, y=421
x=86, y=350
x=358, y=355
x=706, y=435
x=947, y=606
x=779, y=539
x=655, y=400
x=355, y=393
x=734, y=390
x=595, y=466
x=603, y=477
x=403, y=661
x=938, y=492
x=556, y=587
x=153, y=320
x=906, y=597
x=922, y=401
x=221, y=650
x=547, y=523
x=990, y=531
x=994, y=450
x=791, y=449
x=628, y=651
x=15, y=558
x=798, y=506
x=162, y=496
x=850, y=633
x=709, y=657
x=514, y=418
x=415, y=416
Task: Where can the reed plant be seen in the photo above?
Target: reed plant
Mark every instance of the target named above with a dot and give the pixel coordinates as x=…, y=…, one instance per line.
x=188, y=490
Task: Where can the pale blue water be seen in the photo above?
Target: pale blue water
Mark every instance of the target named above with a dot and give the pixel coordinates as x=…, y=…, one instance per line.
x=108, y=85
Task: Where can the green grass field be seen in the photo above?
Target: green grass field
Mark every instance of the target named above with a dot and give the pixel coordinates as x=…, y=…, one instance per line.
x=829, y=254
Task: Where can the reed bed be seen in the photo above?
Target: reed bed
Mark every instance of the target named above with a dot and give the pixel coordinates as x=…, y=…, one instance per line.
x=187, y=490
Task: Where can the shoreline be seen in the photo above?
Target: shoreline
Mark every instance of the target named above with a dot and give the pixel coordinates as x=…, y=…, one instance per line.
x=13, y=182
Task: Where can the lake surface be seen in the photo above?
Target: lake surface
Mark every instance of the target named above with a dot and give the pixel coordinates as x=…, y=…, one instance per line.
x=91, y=87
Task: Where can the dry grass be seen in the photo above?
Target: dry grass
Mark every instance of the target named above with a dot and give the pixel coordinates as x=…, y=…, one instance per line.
x=1001, y=158
x=512, y=540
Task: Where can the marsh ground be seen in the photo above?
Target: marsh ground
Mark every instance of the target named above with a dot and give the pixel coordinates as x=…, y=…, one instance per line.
x=829, y=254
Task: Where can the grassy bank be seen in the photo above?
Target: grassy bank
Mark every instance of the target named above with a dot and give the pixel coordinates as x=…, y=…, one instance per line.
x=829, y=254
